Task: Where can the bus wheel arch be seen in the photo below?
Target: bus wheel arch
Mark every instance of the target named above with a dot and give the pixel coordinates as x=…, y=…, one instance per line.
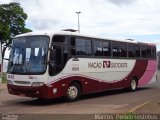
x=73, y=91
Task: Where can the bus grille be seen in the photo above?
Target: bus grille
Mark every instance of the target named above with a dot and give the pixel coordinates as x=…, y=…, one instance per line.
x=22, y=82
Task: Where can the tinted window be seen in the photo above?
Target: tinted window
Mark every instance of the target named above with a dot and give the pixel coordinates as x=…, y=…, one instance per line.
x=119, y=49
x=149, y=52
x=98, y=51
x=88, y=47
x=83, y=46
x=106, y=48
x=137, y=50
x=146, y=51
x=65, y=54
x=58, y=59
x=60, y=39
x=73, y=48
x=133, y=50
x=153, y=52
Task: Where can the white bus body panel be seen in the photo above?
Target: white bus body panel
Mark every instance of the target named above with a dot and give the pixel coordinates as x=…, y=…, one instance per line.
x=96, y=69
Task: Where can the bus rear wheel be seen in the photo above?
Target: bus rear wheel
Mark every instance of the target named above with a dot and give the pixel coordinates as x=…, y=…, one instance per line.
x=133, y=85
x=73, y=92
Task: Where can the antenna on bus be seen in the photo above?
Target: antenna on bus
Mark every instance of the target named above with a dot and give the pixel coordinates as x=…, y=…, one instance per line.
x=70, y=30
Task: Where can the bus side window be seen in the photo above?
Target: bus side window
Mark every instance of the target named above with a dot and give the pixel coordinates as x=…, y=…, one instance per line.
x=83, y=47
x=145, y=51
x=153, y=52
x=65, y=55
x=98, y=48
x=60, y=39
x=73, y=49
x=119, y=49
x=106, y=49
x=137, y=51
x=148, y=51
x=133, y=50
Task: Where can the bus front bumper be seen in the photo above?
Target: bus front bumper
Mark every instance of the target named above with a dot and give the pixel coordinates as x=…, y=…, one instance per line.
x=29, y=91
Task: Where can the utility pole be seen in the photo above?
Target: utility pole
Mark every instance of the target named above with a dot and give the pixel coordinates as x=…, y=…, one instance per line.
x=78, y=21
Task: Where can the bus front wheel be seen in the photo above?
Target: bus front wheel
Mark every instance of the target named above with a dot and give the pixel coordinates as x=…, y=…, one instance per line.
x=73, y=92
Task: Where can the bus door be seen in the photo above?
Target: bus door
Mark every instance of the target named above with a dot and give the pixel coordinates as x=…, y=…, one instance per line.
x=58, y=59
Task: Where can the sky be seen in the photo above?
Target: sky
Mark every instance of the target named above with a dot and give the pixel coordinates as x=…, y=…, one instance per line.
x=119, y=19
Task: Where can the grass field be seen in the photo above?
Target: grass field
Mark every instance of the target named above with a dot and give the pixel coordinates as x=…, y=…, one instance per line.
x=4, y=77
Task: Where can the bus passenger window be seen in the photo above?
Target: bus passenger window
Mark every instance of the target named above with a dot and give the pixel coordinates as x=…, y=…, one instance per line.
x=106, y=49
x=133, y=50
x=60, y=39
x=98, y=51
x=73, y=49
x=80, y=47
x=145, y=51
x=83, y=46
x=149, y=52
x=65, y=55
x=119, y=49
x=153, y=52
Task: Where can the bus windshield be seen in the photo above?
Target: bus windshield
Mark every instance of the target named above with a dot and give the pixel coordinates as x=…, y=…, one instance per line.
x=29, y=55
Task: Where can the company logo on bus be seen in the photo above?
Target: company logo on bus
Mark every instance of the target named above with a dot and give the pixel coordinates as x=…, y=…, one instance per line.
x=106, y=64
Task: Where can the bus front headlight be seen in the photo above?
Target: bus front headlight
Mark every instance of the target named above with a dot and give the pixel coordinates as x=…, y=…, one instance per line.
x=37, y=84
x=10, y=82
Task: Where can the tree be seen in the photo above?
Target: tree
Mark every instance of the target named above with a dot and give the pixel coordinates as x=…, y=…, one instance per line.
x=12, y=22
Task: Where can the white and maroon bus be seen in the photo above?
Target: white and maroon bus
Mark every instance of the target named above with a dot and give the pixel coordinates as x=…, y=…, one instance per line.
x=51, y=65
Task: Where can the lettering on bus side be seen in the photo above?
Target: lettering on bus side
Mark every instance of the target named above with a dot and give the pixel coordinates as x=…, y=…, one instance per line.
x=95, y=65
x=118, y=65
x=75, y=68
x=106, y=64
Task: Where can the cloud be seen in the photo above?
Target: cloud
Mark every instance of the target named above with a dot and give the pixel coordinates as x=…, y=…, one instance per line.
x=120, y=19
x=5, y=1
x=121, y=2
x=107, y=18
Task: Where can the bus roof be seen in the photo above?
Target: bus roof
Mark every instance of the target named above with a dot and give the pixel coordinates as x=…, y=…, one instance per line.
x=81, y=35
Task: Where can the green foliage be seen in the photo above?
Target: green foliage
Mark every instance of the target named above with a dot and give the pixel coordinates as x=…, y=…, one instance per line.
x=4, y=77
x=12, y=22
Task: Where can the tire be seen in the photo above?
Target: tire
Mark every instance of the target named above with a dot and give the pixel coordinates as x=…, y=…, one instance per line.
x=133, y=85
x=73, y=92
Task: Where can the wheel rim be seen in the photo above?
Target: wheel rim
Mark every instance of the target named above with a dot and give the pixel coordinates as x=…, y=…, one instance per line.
x=72, y=92
x=133, y=84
